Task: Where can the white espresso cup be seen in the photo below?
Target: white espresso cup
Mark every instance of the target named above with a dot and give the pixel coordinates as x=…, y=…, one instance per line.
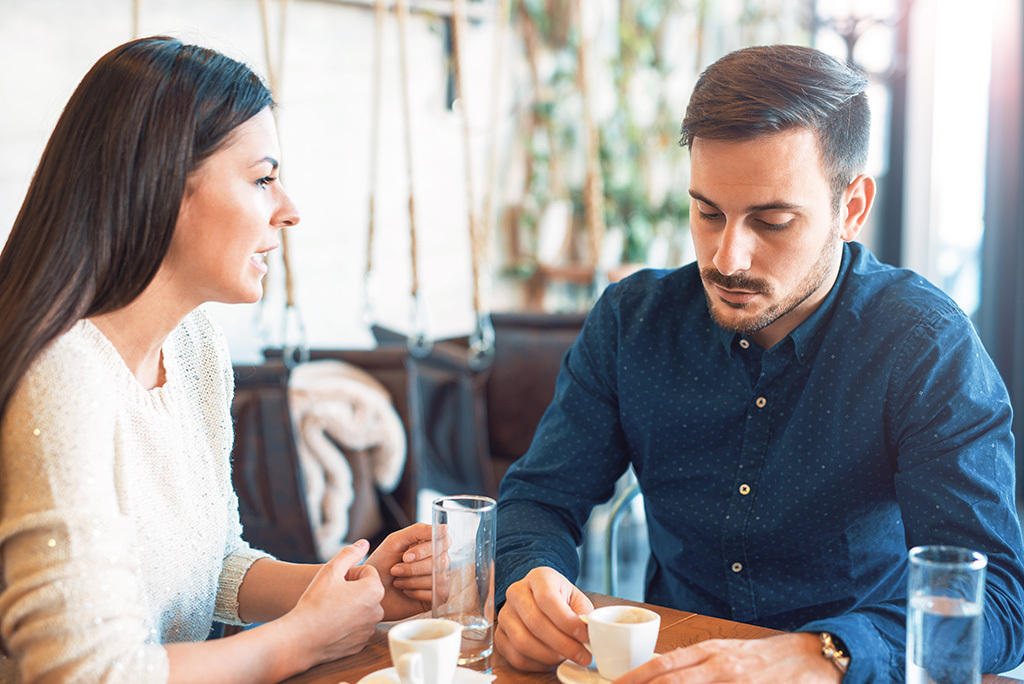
x=621, y=638
x=425, y=651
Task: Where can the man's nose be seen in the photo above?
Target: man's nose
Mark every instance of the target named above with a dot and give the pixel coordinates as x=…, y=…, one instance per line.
x=734, y=250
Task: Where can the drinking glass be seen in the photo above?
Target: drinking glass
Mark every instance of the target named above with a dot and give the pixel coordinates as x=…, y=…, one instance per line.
x=463, y=531
x=946, y=594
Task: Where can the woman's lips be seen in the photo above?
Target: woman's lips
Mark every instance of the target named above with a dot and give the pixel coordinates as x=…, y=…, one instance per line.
x=259, y=261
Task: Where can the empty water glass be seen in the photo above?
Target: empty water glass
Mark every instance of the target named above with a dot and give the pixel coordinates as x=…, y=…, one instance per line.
x=463, y=572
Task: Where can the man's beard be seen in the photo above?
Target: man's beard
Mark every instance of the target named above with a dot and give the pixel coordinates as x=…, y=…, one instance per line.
x=814, y=279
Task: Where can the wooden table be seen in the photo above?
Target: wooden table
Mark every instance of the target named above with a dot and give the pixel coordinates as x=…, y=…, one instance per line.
x=678, y=628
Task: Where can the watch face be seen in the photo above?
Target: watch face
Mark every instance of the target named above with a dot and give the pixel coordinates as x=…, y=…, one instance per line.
x=834, y=650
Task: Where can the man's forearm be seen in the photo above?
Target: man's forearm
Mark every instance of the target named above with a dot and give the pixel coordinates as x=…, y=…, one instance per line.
x=544, y=541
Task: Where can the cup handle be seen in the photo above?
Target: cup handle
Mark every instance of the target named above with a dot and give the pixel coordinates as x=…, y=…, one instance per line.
x=410, y=668
x=586, y=620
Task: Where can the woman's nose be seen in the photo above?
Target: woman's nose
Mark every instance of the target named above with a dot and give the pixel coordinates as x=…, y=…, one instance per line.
x=287, y=213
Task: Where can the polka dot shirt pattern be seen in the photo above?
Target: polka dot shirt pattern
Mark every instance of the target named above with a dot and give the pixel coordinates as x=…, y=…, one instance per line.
x=782, y=487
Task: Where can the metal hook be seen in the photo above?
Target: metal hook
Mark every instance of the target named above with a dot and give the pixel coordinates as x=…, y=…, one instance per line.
x=481, y=343
x=420, y=344
x=293, y=354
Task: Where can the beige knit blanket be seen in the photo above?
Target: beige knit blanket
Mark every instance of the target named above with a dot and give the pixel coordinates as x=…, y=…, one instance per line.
x=336, y=408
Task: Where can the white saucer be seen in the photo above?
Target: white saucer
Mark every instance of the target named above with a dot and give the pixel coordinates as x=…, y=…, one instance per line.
x=571, y=673
x=463, y=675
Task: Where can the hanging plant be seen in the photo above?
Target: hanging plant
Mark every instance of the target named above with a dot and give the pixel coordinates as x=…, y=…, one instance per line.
x=633, y=144
x=637, y=51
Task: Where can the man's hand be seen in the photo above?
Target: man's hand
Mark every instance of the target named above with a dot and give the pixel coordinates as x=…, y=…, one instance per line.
x=403, y=562
x=791, y=658
x=539, y=626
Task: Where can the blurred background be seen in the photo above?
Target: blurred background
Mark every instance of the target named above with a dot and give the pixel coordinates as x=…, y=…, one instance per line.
x=543, y=162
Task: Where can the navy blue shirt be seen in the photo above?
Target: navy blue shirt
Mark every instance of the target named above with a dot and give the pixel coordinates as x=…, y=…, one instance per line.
x=782, y=487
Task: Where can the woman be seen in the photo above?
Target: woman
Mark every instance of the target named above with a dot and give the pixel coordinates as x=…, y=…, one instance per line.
x=119, y=532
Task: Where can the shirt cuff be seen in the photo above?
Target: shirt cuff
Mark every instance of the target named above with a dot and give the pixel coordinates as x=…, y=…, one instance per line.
x=236, y=565
x=872, y=657
x=514, y=570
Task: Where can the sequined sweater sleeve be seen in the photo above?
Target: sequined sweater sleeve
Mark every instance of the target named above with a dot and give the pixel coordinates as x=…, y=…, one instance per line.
x=215, y=405
x=118, y=526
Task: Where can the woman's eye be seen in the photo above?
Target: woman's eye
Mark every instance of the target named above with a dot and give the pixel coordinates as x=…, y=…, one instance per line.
x=265, y=181
x=708, y=217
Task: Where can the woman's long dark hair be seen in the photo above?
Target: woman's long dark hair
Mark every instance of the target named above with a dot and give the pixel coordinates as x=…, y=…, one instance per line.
x=100, y=212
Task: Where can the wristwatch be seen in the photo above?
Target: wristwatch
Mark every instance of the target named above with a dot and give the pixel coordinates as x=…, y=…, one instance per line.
x=834, y=651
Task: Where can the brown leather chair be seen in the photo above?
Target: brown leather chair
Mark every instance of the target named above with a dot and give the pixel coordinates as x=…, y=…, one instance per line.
x=497, y=412
x=265, y=466
x=266, y=473
x=528, y=352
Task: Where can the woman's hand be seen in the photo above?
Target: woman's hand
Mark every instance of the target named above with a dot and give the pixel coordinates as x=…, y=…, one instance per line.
x=333, y=617
x=340, y=608
x=403, y=562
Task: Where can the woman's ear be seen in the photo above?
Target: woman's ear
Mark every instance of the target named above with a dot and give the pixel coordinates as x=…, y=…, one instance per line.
x=857, y=200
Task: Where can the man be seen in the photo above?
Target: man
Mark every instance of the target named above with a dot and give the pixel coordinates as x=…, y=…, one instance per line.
x=798, y=414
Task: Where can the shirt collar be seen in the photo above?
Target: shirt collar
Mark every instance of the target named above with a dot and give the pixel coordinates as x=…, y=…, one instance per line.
x=807, y=335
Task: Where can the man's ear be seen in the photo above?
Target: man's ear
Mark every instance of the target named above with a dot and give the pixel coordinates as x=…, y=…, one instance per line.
x=857, y=200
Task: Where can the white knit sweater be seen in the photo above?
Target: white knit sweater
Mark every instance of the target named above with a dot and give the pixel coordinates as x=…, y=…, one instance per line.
x=119, y=527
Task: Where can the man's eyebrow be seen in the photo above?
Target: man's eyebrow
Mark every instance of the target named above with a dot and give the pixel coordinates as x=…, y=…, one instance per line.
x=774, y=206
x=768, y=206
x=701, y=198
x=273, y=162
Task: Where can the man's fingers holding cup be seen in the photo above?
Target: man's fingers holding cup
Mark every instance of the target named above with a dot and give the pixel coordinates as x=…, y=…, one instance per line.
x=560, y=601
x=536, y=635
x=521, y=649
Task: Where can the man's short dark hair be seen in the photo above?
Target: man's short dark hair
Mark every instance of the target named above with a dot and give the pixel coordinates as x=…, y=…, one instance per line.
x=767, y=89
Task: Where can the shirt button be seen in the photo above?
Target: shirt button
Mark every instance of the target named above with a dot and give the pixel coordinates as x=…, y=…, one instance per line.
x=744, y=489
x=744, y=344
x=761, y=402
x=737, y=567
